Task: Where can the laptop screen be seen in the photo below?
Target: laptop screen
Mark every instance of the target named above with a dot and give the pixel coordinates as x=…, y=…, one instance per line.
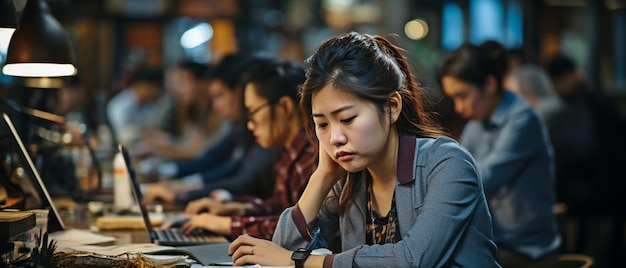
x=134, y=185
x=54, y=220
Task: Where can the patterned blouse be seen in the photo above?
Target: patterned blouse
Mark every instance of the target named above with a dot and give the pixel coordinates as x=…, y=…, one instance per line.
x=381, y=229
x=292, y=172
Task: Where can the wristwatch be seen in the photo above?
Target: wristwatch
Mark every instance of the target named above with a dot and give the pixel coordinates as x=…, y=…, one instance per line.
x=300, y=255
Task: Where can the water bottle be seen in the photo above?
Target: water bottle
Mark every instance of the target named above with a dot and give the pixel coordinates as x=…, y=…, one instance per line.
x=122, y=199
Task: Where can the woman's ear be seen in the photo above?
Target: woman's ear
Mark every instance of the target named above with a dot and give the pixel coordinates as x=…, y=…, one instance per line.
x=287, y=104
x=395, y=106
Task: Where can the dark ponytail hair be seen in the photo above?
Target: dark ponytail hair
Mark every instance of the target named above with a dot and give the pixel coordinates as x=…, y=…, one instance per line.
x=371, y=68
x=473, y=64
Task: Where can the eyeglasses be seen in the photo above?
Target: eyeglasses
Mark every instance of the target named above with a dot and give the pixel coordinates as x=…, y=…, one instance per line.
x=252, y=112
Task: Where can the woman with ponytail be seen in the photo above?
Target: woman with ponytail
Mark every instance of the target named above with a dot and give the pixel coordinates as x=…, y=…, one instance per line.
x=391, y=188
x=512, y=150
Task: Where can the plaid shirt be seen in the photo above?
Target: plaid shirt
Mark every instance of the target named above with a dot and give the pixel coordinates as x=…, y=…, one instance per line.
x=292, y=172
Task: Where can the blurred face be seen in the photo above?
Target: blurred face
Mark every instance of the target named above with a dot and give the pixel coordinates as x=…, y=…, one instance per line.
x=224, y=101
x=146, y=92
x=469, y=100
x=259, y=117
x=513, y=85
x=349, y=128
x=567, y=84
x=180, y=83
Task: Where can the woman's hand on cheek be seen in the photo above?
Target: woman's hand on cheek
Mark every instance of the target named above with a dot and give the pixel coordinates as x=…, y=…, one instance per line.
x=329, y=168
x=247, y=250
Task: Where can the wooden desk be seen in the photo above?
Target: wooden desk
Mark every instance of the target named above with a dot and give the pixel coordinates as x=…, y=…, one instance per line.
x=76, y=216
x=79, y=218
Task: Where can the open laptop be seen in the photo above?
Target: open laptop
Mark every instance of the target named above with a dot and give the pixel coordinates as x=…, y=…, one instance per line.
x=54, y=219
x=170, y=236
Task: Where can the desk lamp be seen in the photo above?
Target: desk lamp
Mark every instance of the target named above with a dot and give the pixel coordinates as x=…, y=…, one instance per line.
x=39, y=48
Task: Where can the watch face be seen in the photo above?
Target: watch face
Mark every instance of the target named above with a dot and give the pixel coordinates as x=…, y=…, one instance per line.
x=298, y=255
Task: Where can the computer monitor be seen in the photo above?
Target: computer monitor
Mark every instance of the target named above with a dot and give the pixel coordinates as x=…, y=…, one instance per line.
x=54, y=220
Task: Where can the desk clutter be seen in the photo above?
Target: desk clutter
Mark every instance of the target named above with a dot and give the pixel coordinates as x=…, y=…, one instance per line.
x=65, y=249
x=24, y=236
x=88, y=259
x=71, y=233
x=29, y=257
x=75, y=247
x=12, y=225
x=141, y=255
x=39, y=237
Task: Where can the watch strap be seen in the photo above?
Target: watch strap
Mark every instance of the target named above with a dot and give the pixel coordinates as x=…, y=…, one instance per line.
x=299, y=256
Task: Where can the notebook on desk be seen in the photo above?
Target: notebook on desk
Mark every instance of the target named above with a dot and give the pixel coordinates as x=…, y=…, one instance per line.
x=170, y=236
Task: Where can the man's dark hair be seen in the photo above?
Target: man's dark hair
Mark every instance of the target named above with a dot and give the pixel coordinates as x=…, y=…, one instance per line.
x=150, y=75
x=559, y=65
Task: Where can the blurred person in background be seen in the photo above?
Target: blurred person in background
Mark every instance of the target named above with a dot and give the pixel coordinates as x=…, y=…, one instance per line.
x=141, y=105
x=532, y=82
x=235, y=163
x=512, y=149
x=588, y=134
x=271, y=98
x=191, y=127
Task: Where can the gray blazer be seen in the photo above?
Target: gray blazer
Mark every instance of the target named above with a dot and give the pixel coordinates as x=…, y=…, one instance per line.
x=442, y=214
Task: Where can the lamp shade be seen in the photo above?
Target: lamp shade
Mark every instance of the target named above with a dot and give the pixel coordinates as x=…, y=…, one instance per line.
x=39, y=47
x=8, y=19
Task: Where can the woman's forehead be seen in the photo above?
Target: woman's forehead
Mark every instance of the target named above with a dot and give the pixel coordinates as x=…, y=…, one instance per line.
x=329, y=98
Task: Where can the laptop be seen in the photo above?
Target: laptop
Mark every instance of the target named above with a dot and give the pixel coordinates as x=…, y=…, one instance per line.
x=170, y=236
x=54, y=219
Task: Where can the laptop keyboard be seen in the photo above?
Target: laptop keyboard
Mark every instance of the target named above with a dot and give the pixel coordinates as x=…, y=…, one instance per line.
x=174, y=234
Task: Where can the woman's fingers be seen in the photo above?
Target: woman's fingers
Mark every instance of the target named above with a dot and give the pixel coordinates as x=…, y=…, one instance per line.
x=244, y=255
x=241, y=240
x=241, y=250
x=247, y=250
